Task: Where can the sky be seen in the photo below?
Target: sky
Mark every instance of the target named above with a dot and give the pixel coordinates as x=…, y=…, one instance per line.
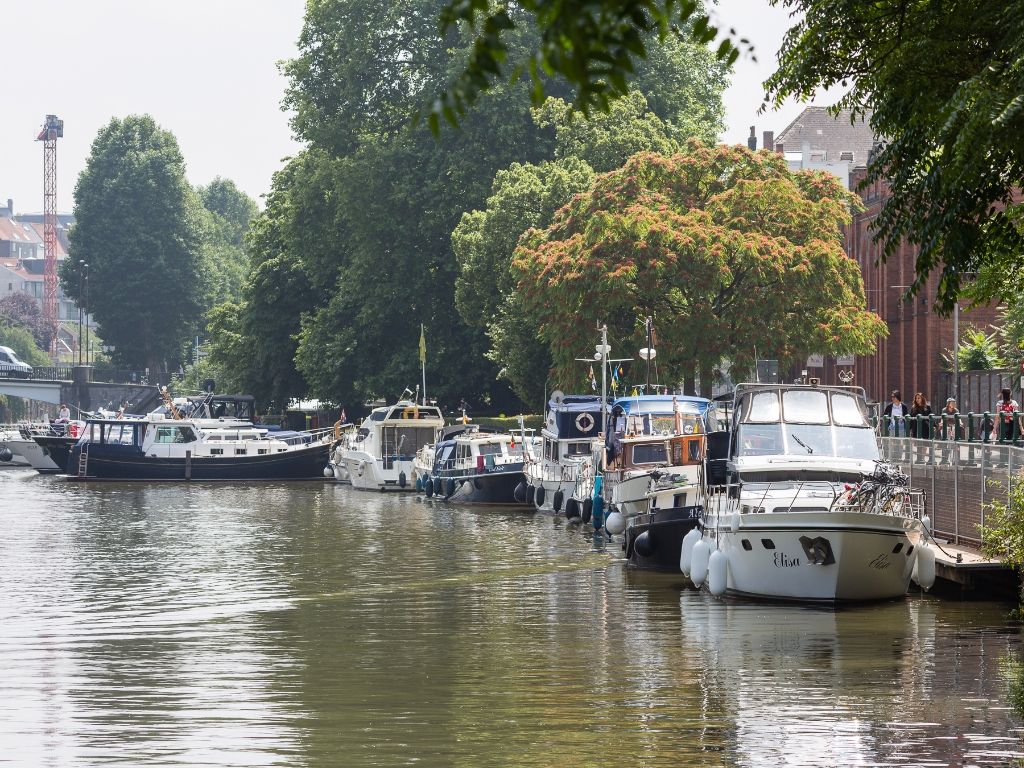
x=207, y=71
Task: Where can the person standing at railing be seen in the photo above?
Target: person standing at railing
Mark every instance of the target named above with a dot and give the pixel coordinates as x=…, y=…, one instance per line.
x=1007, y=409
x=920, y=417
x=951, y=427
x=894, y=414
x=921, y=423
x=894, y=419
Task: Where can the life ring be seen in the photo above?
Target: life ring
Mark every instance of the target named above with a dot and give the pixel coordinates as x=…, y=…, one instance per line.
x=73, y=429
x=584, y=422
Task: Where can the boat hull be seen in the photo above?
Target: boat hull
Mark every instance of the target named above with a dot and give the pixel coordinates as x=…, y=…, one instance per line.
x=480, y=488
x=660, y=536
x=861, y=557
x=126, y=463
x=58, y=448
x=368, y=474
x=34, y=454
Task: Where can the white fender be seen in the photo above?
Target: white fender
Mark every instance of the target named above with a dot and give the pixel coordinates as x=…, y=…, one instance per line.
x=615, y=524
x=691, y=538
x=328, y=472
x=699, y=562
x=718, y=572
x=925, y=567
x=926, y=521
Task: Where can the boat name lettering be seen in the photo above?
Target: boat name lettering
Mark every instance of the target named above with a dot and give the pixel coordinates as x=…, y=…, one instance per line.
x=782, y=560
x=880, y=563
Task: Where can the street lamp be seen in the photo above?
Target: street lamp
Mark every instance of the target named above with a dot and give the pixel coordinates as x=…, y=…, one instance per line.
x=81, y=300
x=85, y=309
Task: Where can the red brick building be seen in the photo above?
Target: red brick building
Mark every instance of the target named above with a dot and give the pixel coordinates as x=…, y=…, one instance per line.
x=910, y=359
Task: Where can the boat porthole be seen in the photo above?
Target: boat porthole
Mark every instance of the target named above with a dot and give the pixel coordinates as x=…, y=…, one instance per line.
x=897, y=548
x=746, y=544
x=910, y=549
x=767, y=543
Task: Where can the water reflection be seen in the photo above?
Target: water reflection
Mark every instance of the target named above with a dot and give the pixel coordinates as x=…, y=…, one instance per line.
x=313, y=625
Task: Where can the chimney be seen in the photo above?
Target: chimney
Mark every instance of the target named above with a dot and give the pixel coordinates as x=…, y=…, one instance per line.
x=10, y=207
x=752, y=140
x=768, y=140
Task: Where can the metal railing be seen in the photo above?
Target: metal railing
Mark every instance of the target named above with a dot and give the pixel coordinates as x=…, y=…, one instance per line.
x=985, y=427
x=960, y=477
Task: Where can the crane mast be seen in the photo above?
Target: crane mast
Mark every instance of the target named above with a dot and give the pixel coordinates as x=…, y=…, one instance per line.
x=53, y=129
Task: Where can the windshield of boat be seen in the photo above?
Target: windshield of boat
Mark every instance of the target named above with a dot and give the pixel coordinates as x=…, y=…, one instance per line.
x=649, y=453
x=803, y=422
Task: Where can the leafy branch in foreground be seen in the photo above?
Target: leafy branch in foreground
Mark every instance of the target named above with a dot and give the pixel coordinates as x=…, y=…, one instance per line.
x=593, y=45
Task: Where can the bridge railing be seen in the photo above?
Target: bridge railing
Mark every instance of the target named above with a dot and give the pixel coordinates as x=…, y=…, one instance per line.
x=52, y=372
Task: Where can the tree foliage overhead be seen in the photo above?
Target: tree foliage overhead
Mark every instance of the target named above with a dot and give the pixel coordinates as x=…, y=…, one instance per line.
x=943, y=84
x=595, y=46
x=139, y=227
x=732, y=255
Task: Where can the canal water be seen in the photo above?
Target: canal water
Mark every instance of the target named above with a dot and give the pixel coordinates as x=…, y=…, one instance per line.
x=313, y=625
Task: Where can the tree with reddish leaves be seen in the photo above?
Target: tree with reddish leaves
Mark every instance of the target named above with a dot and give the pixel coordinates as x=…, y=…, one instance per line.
x=22, y=311
x=735, y=258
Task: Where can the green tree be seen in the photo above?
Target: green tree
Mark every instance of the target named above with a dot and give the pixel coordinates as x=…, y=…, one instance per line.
x=978, y=351
x=725, y=248
x=139, y=227
x=228, y=213
x=1002, y=535
x=527, y=196
x=942, y=82
x=21, y=340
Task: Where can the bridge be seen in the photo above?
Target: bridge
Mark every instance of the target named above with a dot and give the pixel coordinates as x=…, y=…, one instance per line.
x=75, y=385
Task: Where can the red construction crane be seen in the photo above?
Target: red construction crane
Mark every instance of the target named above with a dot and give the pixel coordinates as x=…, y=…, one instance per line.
x=53, y=129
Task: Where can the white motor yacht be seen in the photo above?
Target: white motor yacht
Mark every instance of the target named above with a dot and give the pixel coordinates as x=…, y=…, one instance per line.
x=804, y=509
x=380, y=455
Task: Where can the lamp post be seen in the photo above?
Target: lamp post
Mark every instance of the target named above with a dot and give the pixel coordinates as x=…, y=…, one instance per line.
x=85, y=309
x=81, y=302
x=956, y=352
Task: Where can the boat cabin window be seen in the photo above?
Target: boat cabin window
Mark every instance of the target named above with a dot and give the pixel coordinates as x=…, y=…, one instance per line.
x=378, y=415
x=446, y=453
x=652, y=453
x=173, y=434
x=764, y=407
x=686, y=450
x=406, y=441
x=846, y=411
x=489, y=449
x=805, y=406
x=577, y=449
x=662, y=425
x=760, y=439
x=119, y=434
x=550, y=450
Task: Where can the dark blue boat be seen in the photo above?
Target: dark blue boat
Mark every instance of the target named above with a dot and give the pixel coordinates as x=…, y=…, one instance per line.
x=165, y=449
x=476, y=466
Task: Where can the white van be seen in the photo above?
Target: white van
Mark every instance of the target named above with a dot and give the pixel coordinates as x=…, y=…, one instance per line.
x=10, y=365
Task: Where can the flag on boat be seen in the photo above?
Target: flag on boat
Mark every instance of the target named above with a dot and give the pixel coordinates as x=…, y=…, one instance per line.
x=341, y=418
x=615, y=376
x=423, y=346
x=593, y=379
